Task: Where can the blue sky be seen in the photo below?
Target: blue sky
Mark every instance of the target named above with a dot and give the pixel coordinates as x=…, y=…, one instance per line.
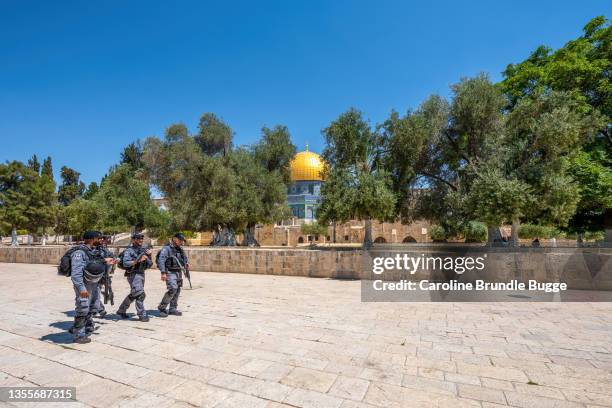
x=80, y=80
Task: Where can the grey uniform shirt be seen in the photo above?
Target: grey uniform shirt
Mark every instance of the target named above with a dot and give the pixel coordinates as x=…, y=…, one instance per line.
x=78, y=261
x=165, y=253
x=130, y=256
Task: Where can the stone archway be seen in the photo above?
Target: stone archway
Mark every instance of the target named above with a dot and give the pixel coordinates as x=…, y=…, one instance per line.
x=380, y=240
x=300, y=240
x=409, y=240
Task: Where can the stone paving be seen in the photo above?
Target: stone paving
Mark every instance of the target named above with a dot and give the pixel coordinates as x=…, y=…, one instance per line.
x=277, y=341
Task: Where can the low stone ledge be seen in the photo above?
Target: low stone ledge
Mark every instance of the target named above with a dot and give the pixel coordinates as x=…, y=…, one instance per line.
x=581, y=268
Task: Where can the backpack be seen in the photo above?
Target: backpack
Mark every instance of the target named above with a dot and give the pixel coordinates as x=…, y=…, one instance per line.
x=65, y=266
x=120, y=263
x=174, y=251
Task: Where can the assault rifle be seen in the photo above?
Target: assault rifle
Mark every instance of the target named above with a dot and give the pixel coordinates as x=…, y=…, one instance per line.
x=107, y=281
x=184, y=270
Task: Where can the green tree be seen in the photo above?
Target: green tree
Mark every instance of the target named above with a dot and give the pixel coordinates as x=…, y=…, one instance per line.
x=580, y=69
x=435, y=154
x=275, y=150
x=354, y=154
x=132, y=155
x=123, y=202
x=78, y=216
x=27, y=199
x=34, y=164
x=214, y=136
x=210, y=186
x=47, y=168
x=71, y=187
x=91, y=191
x=14, y=197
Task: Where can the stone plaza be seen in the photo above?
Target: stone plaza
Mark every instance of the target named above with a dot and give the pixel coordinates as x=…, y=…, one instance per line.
x=249, y=340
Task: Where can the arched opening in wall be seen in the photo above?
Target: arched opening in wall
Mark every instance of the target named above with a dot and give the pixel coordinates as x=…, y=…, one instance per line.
x=300, y=240
x=409, y=240
x=380, y=240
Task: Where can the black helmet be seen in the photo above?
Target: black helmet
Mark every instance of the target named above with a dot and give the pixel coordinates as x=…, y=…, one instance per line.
x=91, y=234
x=180, y=236
x=94, y=271
x=137, y=235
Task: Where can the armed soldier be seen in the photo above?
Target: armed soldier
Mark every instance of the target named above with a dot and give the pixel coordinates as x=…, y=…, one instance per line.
x=106, y=280
x=86, y=268
x=135, y=260
x=171, y=261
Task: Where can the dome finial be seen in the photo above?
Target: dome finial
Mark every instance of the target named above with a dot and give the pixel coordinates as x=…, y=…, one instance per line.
x=306, y=146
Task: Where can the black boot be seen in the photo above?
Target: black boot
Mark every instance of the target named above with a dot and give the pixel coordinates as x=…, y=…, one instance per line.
x=162, y=312
x=82, y=340
x=123, y=315
x=143, y=318
x=176, y=313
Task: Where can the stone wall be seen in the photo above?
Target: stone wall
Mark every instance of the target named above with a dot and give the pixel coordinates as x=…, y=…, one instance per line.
x=584, y=268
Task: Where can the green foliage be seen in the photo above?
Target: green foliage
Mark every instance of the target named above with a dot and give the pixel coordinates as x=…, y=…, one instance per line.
x=495, y=199
x=78, y=216
x=91, y=191
x=209, y=184
x=437, y=233
x=161, y=226
x=124, y=202
x=21, y=232
x=34, y=164
x=475, y=232
x=580, y=70
x=132, y=155
x=531, y=231
x=71, y=187
x=275, y=151
x=356, y=186
x=47, y=168
x=214, y=136
x=27, y=197
x=314, y=229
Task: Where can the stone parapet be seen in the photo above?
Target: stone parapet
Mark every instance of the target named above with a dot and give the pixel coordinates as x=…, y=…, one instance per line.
x=581, y=268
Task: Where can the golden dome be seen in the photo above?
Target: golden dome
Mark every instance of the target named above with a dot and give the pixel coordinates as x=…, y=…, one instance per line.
x=306, y=166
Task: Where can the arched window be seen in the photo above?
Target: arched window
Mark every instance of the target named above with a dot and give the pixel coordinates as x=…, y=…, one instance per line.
x=409, y=240
x=380, y=240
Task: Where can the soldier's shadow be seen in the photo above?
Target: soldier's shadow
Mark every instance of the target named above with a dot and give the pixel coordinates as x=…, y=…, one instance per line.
x=63, y=337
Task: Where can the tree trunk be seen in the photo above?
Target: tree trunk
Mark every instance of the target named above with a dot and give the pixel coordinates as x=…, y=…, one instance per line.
x=514, y=239
x=493, y=236
x=224, y=236
x=579, y=240
x=249, y=236
x=608, y=227
x=367, y=239
x=14, y=237
x=334, y=232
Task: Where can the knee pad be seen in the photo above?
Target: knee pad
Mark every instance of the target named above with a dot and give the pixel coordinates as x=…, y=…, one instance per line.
x=142, y=296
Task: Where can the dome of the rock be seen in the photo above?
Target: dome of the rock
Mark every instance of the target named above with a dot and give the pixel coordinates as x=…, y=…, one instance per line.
x=306, y=166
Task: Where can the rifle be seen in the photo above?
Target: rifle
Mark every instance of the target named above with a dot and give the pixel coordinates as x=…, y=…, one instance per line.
x=184, y=269
x=108, y=287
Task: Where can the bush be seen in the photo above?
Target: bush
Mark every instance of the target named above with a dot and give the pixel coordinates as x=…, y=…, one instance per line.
x=437, y=233
x=475, y=232
x=531, y=231
x=189, y=234
x=313, y=229
x=22, y=232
